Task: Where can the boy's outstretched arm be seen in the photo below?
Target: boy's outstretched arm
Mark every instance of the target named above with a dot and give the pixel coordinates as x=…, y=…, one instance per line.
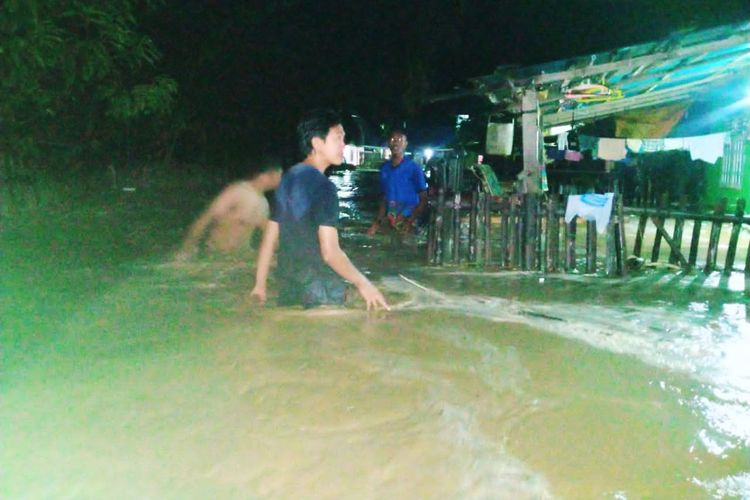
x=335, y=257
x=195, y=233
x=217, y=209
x=265, y=256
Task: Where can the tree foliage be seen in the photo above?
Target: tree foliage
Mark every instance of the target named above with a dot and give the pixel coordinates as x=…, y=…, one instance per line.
x=74, y=74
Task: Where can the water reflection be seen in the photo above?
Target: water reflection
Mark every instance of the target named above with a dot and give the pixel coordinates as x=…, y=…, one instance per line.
x=694, y=323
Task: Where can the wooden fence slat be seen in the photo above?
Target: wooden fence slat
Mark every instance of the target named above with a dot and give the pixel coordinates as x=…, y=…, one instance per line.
x=516, y=227
x=590, y=246
x=553, y=235
x=480, y=229
x=487, y=210
x=473, y=215
x=570, y=245
x=541, y=241
x=677, y=239
x=439, y=223
x=530, y=239
x=657, y=240
x=610, y=259
x=739, y=212
x=456, y=228
x=621, y=240
x=505, y=235
x=694, y=243
x=713, y=240
x=663, y=233
x=639, y=235
x=431, y=237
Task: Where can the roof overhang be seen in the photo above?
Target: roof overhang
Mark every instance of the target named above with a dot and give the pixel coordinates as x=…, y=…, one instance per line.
x=677, y=68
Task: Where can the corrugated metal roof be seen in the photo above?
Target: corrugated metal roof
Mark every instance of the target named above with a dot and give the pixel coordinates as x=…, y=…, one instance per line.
x=650, y=74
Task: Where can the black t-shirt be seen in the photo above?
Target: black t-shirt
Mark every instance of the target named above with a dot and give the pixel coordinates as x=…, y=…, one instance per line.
x=305, y=200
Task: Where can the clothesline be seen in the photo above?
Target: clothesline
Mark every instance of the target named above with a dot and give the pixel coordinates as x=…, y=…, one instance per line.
x=707, y=148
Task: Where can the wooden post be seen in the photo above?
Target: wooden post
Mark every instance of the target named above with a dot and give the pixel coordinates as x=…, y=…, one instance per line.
x=473, y=215
x=713, y=240
x=530, y=238
x=695, y=240
x=506, y=220
x=431, y=236
x=456, y=227
x=676, y=238
x=610, y=258
x=663, y=233
x=590, y=246
x=553, y=235
x=530, y=128
x=439, y=223
x=570, y=245
x=679, y=225
x=480, y=228
x=639, y=235
x=516, y=227
x=487, y=210
x=620, y=237
x=521, y=240
x=540, y=239
x=739, y=212
x=657, y=241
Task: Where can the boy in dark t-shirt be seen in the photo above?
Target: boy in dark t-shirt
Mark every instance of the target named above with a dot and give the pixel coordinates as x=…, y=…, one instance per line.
x=305, y=201
x=303, y=223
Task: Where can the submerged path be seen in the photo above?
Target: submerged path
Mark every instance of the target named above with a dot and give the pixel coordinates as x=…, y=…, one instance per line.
x=125, y=376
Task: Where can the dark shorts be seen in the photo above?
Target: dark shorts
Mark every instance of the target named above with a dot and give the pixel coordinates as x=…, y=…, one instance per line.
x=312, y=291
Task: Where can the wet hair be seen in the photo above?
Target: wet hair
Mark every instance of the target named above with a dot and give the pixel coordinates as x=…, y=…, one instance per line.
x=398, y=131
x=315, y=123
x=265, y=162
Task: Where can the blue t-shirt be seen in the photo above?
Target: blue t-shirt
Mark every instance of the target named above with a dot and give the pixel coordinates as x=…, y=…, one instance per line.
x=305, y=200
x=401, y=186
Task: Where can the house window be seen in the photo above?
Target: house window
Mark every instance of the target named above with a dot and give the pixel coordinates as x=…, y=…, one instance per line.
x=734, y=158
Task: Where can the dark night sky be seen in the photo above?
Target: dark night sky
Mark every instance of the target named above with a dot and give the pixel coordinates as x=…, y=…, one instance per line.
x=247, y=69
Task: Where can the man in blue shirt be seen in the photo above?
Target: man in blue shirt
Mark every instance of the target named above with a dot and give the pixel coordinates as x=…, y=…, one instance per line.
x=404, y=189
x=311, y=264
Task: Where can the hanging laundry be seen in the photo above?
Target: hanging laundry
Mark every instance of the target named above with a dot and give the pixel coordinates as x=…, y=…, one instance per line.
x=588, y=143
x=552, y=153
x=674, y=144
x=634, y=145
x=652, y=145
x=611, y=149
x=573, y=155
x=499, y=139
x=655, y=121
x=573, y=140
x=562, y=141
x=590, y=206
x=706, y=147
x=629, y=161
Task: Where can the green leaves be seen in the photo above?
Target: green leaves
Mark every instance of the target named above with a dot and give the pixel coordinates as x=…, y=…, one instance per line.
x=156, y=98
x=72, y=71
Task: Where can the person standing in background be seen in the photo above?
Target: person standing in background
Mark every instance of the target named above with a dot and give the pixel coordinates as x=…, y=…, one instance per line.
x=403, y=187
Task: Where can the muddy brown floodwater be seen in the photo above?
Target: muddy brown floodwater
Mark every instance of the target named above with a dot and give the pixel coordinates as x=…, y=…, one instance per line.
x=146, y=379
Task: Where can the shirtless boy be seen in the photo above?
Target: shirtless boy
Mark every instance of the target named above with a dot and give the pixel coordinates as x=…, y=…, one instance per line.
x=227, y=225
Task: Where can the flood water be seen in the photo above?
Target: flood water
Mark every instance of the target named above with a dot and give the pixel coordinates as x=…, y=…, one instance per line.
x=127, y=376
